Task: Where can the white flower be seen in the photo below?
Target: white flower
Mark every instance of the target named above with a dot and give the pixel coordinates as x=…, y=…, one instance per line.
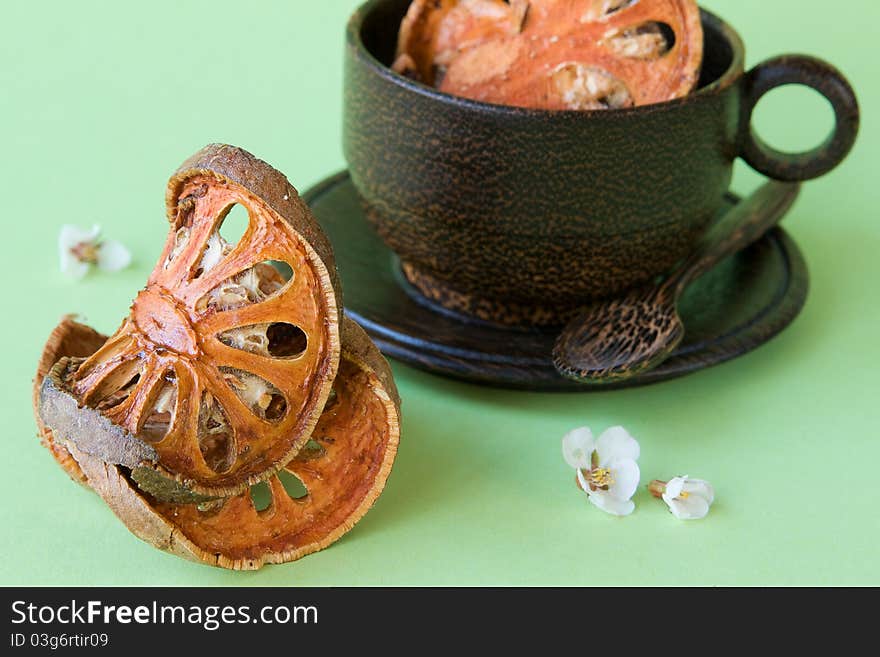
x=80, y=249
x=688, y=499
x=606, y=468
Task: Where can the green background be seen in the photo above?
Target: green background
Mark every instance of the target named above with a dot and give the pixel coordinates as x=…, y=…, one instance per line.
x=101, y=102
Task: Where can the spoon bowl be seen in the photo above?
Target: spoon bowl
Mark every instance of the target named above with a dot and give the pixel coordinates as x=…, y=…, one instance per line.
x=617, y=339
x=620, y=338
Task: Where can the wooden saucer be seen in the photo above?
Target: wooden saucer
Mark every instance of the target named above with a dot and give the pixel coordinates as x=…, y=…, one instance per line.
x=735, y=308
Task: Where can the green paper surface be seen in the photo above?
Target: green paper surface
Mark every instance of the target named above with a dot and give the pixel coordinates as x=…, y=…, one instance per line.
x=102, y=101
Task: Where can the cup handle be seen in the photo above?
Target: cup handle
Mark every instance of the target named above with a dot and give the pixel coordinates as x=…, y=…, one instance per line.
x=828, y=81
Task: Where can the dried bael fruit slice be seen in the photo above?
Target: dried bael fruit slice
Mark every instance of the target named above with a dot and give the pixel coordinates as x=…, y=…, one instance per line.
x=434, y=32
x=343, y=470
x=68, y=339
x=219, y=374
x=586, y=54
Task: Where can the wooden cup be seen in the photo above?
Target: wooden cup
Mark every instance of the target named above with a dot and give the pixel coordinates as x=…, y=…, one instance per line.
x=520, y=216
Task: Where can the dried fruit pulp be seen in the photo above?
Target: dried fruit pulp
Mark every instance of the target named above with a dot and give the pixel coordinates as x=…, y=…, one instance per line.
x=343, y=469
x=217, y=378
x=568, y=54
x=353, y=436
x=223, y=365
x=433, y=32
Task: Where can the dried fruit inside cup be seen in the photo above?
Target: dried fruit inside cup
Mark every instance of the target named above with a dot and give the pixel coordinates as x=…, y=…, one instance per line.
x=563, y=54
x=327, y=487
x=582, y=87
x=220, y=371
x=434, y=32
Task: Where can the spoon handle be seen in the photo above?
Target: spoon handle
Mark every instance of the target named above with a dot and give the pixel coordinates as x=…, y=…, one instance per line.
x=736, y=230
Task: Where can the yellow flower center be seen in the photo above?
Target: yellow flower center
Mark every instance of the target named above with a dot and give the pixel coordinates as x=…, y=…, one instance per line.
x=86, y=252
x=684, y=495
x=601, y=478
x=594, y=477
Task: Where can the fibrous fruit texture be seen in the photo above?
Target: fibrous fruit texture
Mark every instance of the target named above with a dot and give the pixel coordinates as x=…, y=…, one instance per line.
x=554, y=54
x=226, y=373
x=220, y=371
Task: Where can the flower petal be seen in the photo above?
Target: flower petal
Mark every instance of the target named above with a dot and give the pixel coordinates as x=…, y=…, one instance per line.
x=71, y=235
x=577, y=447
x=582, y=482
x=616, y=444
x=693, y=507
x=674, y=487
x=73, y=268
x=700, y=488
x=113, y=256
x=68, y=237
x=612, y=505
x=626, y=476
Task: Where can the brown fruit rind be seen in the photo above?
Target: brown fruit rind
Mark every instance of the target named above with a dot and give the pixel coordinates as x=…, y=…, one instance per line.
x=344, y=471
x=71, y=339
x=181, y=338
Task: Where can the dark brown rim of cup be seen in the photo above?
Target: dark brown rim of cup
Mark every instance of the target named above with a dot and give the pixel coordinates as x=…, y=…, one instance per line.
x=728, y=77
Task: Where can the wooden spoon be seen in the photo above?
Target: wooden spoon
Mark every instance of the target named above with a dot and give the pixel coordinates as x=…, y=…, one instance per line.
x=617, y=339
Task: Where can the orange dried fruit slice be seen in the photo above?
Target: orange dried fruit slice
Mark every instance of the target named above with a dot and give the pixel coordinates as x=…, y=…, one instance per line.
x=586, y=54
x=217, y=377
x=343, y=470
x=68, y=339
x=434, y=32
